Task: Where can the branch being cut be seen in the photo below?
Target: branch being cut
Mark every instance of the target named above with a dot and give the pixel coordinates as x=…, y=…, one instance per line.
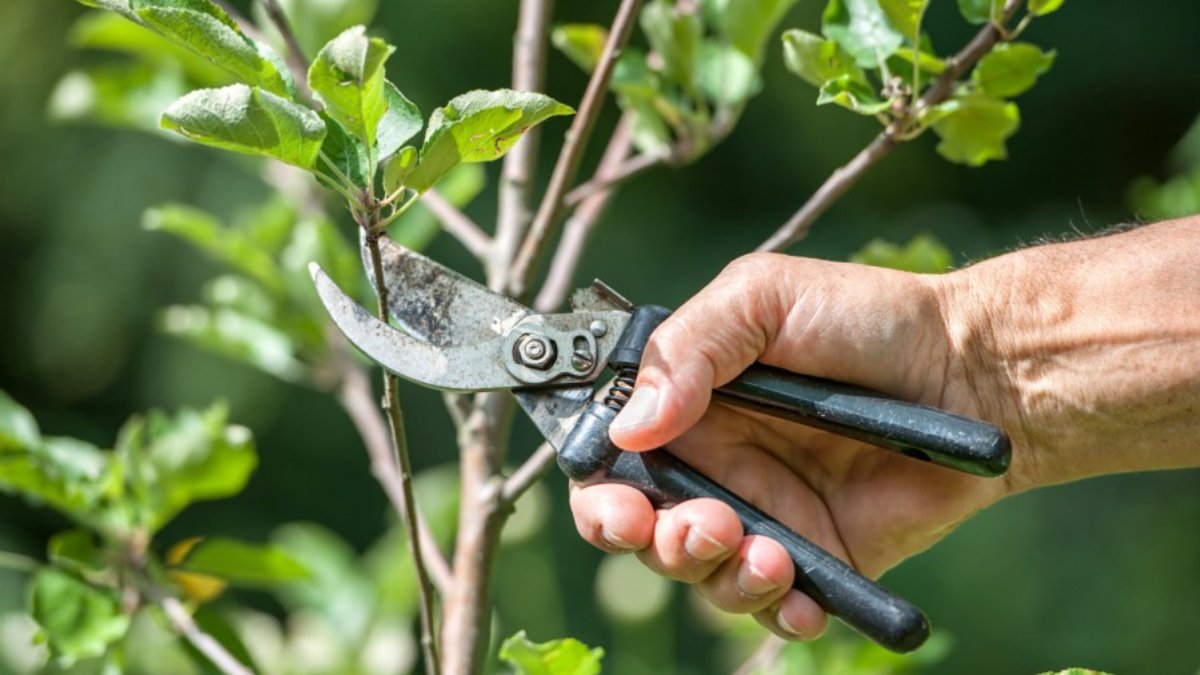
x=516, y=179
x=798, y=226
x=571, y=155
x=458, y=225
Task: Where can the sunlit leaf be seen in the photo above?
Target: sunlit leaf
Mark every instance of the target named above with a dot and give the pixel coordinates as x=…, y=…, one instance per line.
x=241, y=563
x=78, y=620
x=227, y=245
x=1044, y=7
x=348, y=74
x=583, y=43
x=108, y=31
x=974, y=128
x=862, y=29
x=747, y=24
x=120, y=94
x=18, y=429
x=725, y=75
x=400, y=123
x=905, y=15
x=121, y=7
x=567, y=656
x=853, y=95
x=817, y=60
x=1011, y=69
x=209, y=31
x=249, y=120
x=69, y=475
x=478, y=126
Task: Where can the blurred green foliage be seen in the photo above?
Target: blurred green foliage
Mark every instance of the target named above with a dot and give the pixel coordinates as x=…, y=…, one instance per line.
x=1036, y=583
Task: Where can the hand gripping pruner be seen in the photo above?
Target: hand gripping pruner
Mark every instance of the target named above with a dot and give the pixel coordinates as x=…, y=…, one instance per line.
x=456, y=335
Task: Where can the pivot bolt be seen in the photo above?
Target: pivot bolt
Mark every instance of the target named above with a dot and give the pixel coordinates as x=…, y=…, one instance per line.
x=534, y=351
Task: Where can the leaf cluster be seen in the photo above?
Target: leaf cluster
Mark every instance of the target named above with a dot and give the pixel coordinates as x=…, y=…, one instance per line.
x=686, y=89
x=874, y=58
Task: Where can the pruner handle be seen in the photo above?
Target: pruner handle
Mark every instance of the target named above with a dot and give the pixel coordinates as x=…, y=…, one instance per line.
x=588, y=456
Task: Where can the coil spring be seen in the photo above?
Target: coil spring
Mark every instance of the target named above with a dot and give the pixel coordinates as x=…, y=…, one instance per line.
x=621, y=389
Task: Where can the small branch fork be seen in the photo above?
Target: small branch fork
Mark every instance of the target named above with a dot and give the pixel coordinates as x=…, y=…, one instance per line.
x=842, y=179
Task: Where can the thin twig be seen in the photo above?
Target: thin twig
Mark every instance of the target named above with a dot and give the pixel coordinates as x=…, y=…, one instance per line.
x=763, y=656
x=183, y=623
x=631, y=167
x=528, y=474
x=798, y=226
x=296, y=59
x=357, y=399
x=572, y=151
x=458, y=224
x=391, y=403
x=516, y=178
x=583, y=220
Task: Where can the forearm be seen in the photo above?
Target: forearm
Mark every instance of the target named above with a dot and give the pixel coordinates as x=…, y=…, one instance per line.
x=1088, y=353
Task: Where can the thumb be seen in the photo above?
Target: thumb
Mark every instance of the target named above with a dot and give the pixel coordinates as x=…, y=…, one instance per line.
x=706, y=343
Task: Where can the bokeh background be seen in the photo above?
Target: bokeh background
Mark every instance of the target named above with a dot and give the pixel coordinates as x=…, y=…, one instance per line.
x=1103, y=574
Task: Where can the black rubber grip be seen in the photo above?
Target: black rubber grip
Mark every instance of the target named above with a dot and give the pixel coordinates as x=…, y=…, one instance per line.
x=588, y=456
x=915, y=430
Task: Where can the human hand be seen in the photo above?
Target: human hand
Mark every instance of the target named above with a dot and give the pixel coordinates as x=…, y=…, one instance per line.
x=876, y=328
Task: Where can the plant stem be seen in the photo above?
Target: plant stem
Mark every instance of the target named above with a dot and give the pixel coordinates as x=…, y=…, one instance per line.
x=458, y=224
x=528, y=474
x=631, y=167
x=183, y=623
x=842, y=179
x=391, y=404
x=297, y=61
x=572, y=151
x=516, y=179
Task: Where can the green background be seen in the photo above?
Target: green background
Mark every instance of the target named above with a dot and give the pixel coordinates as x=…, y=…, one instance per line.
x=1103, y=574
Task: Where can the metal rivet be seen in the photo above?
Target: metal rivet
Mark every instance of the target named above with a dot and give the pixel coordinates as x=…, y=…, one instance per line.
x=598, y=328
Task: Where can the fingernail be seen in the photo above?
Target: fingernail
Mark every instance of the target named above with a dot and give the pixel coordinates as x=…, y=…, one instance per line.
x=640, y=411
x=752, y=583
x=616, y=541
x=701, y=547
x=783, y=623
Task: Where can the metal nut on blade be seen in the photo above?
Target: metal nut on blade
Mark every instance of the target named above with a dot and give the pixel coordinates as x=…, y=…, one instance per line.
x=534, y=351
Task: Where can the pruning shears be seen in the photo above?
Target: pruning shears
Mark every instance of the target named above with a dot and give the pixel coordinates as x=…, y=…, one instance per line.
x=453, y=334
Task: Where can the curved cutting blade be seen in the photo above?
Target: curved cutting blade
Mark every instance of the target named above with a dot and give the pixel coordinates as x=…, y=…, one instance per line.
x=437, y=304
x=469, y=367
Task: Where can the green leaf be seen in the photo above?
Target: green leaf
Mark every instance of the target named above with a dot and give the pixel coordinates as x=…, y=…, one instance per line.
x=336, y=587
x=78, y=621
x=567, y=656
x=124, y=94
x=207, y=30
x=1044, y=7
x=348, y=75
x=119, y=6
x=77, y=551
x=177, y=460
x=250, y=121
x=974, y=128
x=348, y=154
x=853, y=95
x=862, y=29
x=400, y=123
x=675, y=37
x=478, y=126
x=980, y=11
x=18, y=429
x=928, y=63
x=905, y=15
x=236, y=336
x=747, y=24
x=230, y=246
x=71, y=476
x=726, y=75
x=923, y=254
x=108, y=31
x=583, y=43
x=1011, y=69
x=817, y=60
x=397, y=169
x=418, y=227
x=242, y=563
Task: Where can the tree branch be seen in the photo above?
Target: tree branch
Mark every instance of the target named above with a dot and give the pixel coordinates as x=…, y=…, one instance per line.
x=391, y=403
x=360, y=404
x=297, y=61
x=583, y=220
x=458, y=224
x=528, y=474
x=572, y=151
x=516, y=179
x=185, y=625
x=631, y=167
x=842, y=179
